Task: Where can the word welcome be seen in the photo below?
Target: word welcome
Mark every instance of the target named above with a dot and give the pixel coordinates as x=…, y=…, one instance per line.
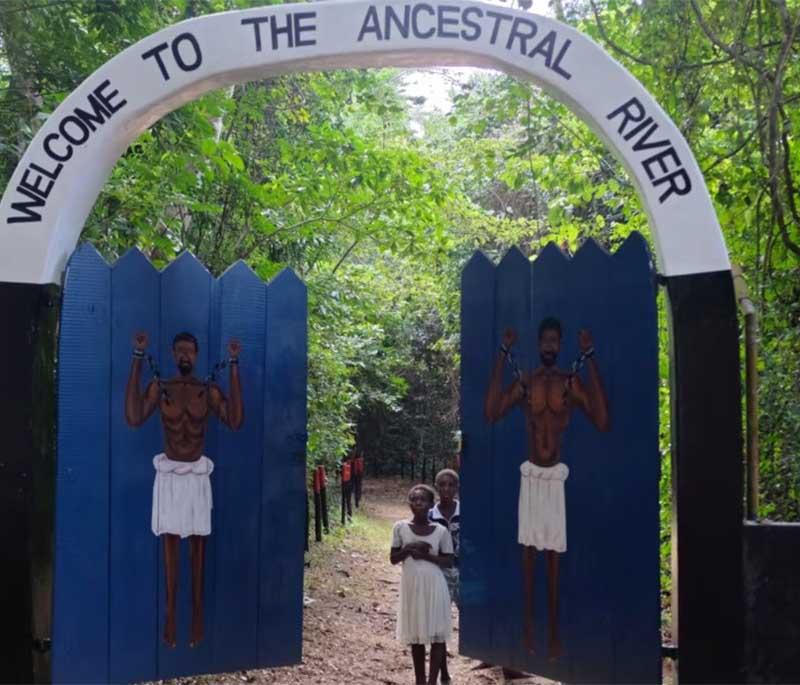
x=424, y=21
x=666, y=161
x=74, y=129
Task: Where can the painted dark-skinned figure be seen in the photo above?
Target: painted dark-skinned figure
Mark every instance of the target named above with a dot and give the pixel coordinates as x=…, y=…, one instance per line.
x=182, y=498
x=547, y=396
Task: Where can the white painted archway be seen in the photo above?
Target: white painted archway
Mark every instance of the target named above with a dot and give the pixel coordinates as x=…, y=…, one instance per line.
x=58, y=180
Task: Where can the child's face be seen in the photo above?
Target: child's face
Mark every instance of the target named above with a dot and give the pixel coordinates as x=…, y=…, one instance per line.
x=420, y=502
x=447, y=487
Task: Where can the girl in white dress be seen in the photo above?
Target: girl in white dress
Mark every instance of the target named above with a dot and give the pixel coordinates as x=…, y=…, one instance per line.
x=423, y=616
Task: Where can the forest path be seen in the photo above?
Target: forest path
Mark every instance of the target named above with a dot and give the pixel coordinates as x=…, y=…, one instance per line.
x=349, y=619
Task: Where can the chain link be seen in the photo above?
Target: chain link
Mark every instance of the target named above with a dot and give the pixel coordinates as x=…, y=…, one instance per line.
x=209, y=379
x=515, y=370
x=577, y=367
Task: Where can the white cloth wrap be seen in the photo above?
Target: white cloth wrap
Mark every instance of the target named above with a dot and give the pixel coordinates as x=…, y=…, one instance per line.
x=182, y=496
x=542, y=509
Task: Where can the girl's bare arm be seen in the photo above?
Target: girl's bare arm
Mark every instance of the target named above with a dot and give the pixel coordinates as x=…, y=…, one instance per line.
x=415, y=550
x=441, y=560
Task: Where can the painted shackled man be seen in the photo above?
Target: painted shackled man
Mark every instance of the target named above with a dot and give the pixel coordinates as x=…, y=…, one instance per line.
x=182, y=499
x=547, y=396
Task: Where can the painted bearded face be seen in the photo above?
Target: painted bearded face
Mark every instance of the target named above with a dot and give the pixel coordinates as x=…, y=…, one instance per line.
x=185, y=355
x=549, y=346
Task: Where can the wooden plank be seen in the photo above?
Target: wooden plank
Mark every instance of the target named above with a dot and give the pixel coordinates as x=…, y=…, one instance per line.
x=550, y=287
x=134, y=570
x=477, y=357
x=237, y=482
x=80, y=615
x=186, y=289
x=283, y=484
x=635, y=462
x=512, y=309
x=587, y=588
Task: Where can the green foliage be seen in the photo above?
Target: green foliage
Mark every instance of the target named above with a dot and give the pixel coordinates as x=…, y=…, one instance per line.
x=535, y=171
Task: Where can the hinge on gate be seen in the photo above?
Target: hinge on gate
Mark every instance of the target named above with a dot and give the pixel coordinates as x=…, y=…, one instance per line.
x=669, y=651
x=42, y=644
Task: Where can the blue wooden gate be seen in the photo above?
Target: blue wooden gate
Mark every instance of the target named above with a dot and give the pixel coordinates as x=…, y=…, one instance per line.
x=609, y=576
x=109, y=593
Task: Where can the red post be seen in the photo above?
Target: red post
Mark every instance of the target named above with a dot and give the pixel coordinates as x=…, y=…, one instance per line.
x=317, y=506
x=347, y=490
x=323, y=496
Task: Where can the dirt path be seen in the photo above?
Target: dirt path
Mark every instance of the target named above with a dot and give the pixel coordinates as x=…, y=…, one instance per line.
x=349, y=619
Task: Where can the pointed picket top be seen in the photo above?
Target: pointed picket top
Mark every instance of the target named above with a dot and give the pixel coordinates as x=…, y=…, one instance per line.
x=86, y=253
x=186, y=263
x=134, y=259
x=286, y=278
x=238, y=267
x=591, y=255
x=85, y=256
x=550, y=272
x=239, y=272
x=478, y=263
x=551, y=257
x=633, y=258
x=513, y=259
x=478, y=260
x=634, y=241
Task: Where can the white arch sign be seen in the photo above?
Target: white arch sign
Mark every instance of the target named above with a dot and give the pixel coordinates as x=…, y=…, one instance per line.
x=58, y=180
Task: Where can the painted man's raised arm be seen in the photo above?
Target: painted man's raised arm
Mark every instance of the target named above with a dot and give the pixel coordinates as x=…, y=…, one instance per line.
x=139, y=406
x=591, y=398
x=499, y=401
x=230, y=410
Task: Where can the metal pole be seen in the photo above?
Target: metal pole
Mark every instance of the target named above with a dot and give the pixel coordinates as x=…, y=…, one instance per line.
x=751, y=389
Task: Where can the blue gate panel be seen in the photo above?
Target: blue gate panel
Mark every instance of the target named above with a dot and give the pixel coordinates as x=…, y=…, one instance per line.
x=110, y=596
x=135, y=306
x=237, y=483
x=478, y=355
x=283, y=482
x=608, y=584
x=593, y=485
x=80, y=652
